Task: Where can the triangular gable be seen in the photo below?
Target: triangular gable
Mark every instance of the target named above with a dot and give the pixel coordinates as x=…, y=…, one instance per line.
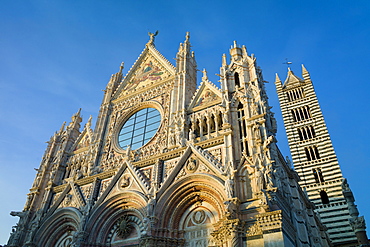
x=126, y=178
x=71, y=196
x=206, y=95
x=82, y=142
x=149, y=68
x=84, y=139
x=60, y=198
x=194, y=160
x=292, y=80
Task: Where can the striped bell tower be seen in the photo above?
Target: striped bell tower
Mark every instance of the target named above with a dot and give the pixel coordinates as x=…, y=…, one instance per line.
x=316, y=162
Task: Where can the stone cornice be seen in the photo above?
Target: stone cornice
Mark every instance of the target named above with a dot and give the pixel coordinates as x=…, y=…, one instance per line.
x=86, y=180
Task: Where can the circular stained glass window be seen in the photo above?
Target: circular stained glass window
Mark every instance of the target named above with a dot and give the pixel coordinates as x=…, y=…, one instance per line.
x=139, y=128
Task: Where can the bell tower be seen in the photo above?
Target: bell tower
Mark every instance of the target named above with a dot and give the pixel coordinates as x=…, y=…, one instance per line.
x=316, y=162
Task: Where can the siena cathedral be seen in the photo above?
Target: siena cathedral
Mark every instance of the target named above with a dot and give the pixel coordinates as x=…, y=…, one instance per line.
x=170, y=163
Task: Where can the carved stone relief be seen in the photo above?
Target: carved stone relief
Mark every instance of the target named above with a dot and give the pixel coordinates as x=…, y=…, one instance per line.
x=86, y=191
x=168, y=166
x=104, y=185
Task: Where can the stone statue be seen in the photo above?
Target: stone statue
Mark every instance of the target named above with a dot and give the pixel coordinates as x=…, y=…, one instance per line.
x=268, y=176
x=172, y=141
x=257, y=179
x=152, y=35
x=357, y=223
x=128, y=150
x=150, y=207
x=288, y=162
x=260, y=178
x=180, y=137
x=37, y=179
x=125, y=182
x=229, y=183
x=268, y=141
x=278, y=176
x=256, y=130
x=229, y=186
x=191, y=165
x=191, y=135
x=255, y=109
x=146, y=223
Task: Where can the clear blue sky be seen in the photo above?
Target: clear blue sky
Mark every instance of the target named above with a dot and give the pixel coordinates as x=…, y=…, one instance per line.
x=57, y=56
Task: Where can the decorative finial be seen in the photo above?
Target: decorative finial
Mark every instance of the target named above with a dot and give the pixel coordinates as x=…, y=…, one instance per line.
x=88, y=124
x=205, y=77
x=224, y=63
x=152, y=35
x=244, y=49
x=277, y=77
x=235, y=44
x=287, y=63
x=121, y=67
x=78, y=113
x=62, y=128
x=305, y=73
x=187, y=37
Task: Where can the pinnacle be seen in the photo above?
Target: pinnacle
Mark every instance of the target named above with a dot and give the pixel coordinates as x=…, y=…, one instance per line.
x=121, y=67
x=305, y=72
x=277, y=79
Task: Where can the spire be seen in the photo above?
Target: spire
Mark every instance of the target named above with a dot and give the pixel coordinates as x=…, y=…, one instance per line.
x=236, y=52
x=62, y=127
x=186, y=72
x=77, y=114
x=187, y=42
x=76, y=118
x=305, y=73
x=224, y=63
x=115, y=79
x=277, y=79
x=244, y=50
x=184, y=48
x=88, y=124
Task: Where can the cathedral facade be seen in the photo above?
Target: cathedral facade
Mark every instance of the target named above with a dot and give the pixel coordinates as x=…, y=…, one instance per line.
x=171, y=164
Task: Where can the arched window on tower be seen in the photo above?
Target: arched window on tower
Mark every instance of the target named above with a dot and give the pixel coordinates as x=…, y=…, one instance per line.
x=295, y=94
x=294, y=116
x=318, y=175
x=312, y=153
x=237, y=79
x=300, y=134
x=312, y=132
x=306, y=132
x=324, y=197
x=301, y=113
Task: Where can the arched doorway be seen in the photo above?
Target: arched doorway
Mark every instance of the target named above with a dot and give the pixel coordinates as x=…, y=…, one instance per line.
x=126, y=231
x=65, y=240
x=197, y=224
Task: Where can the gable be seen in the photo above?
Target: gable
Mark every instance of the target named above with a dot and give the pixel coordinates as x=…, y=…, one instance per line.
x=207, y=95
x=292, y=80
x=149, y=69
x=84, y=139
x=82, y=142
x=194, y=161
